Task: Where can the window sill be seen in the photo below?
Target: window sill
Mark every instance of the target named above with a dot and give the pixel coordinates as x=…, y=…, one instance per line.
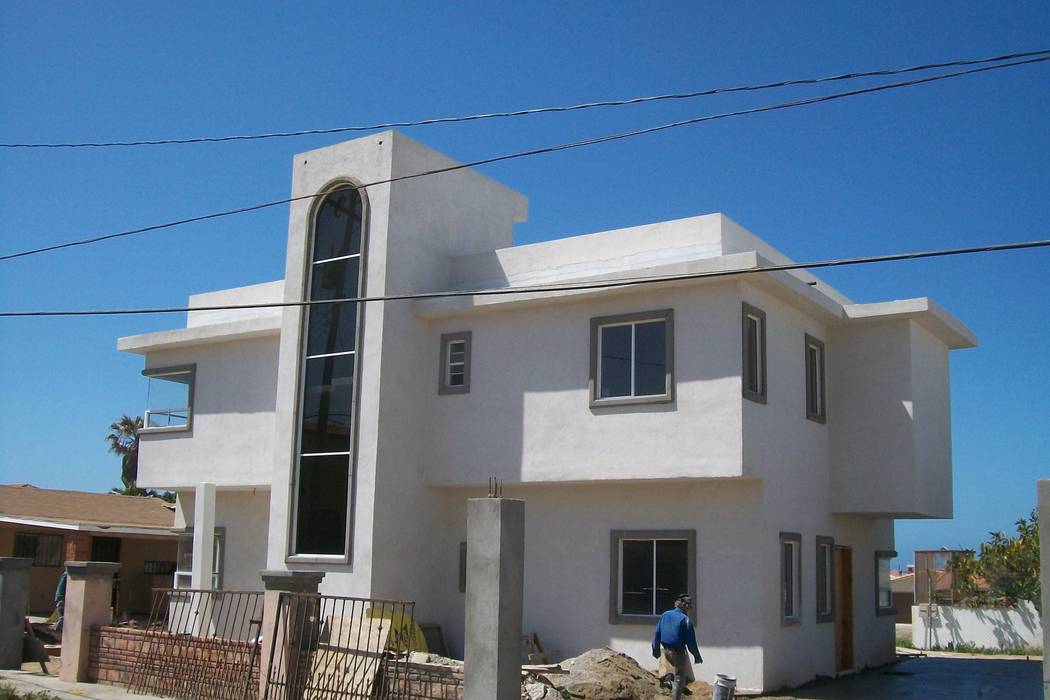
x=790, y=621
x=885, y=612
x=753, y=396
x=825, y=618
x=817, y=419
x=166, y=429
x=447, y=390
x=631, y=400
x=335, y=559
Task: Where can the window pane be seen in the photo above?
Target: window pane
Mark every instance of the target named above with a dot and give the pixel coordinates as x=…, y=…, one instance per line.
x=636, y=562
x=752, y=364
x=322, y=505
x=105, y=549
x=456, y=378
x=672, y=572
x=168, y=399
x=25, y=546
x=328, y=391
x=333, y=327
x=812, y=399
x=338, y=225
x=823, y=581
x=650, y=357
x=615, y=361
x=789, y=579
x=885, y=593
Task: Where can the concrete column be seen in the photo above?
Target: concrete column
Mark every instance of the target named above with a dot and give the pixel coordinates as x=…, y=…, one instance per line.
x=495, y=591
x=89, y=593
x=203, y=535
x=1043, y=490
x=282, y=625
x=14, y=599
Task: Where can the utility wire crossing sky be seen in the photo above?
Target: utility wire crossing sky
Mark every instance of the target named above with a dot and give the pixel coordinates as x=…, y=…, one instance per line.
x=538, y=151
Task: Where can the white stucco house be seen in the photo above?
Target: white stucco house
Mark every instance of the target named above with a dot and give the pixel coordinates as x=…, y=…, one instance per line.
x=745, y=438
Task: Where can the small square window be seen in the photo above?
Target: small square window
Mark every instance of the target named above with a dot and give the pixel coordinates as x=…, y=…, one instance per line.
x=825, y=579
x=44, y=550
x=649, y=570
x=790, y=578
x=632, y=358
x=754, y=354
x=169, y=399
x=883, y=592
x=455, y=363
x=816, y=408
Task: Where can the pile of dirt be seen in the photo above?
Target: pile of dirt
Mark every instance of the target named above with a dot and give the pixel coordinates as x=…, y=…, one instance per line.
x=604, y=674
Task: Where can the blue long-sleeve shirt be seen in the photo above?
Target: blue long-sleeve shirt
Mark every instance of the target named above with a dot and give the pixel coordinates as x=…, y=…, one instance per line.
x=675, y=629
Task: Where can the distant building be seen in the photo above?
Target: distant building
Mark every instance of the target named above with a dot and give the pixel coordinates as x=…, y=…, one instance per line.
x=52, y=527
x=747, y=438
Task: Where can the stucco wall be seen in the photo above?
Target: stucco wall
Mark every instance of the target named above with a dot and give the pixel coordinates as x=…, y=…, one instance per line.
x=992, y=628
x=244, y=514
x=231, y=442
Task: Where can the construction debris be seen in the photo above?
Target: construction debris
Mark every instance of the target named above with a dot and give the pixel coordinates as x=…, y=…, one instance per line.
x=604, y=674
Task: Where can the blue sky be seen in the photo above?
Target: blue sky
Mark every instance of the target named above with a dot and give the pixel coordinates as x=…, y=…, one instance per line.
x=956, y=163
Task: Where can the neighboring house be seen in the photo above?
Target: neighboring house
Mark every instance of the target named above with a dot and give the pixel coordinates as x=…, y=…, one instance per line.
x=747, y=438
x=52, y=527
x=902, y=587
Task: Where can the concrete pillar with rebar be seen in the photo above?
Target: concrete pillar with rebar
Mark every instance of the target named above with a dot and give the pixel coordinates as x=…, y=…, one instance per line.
x=495, y=592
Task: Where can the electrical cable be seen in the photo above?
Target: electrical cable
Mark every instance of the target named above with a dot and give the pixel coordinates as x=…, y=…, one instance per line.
x=534, y=110
x=561, y=287
x=522, y=154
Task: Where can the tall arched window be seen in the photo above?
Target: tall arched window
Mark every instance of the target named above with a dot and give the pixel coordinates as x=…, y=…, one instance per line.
x=324, y=463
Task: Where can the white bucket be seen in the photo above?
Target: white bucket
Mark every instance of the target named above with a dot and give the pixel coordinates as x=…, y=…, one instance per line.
x=724, y=687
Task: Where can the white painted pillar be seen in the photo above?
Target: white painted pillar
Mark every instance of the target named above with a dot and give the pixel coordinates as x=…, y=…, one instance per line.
x=203, y=535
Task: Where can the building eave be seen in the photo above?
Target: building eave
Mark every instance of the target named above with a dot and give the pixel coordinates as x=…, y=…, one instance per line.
x=201, y=335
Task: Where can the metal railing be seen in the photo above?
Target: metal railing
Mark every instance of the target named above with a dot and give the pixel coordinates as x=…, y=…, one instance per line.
x=201, y=644
x=334, y=647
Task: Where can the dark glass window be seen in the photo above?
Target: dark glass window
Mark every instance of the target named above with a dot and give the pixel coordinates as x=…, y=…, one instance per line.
x=326, y=421
x=105, y=549
x=754, y=375
x=653, y=574
x=816, y=409
x=650, y=358
x=44, y=550
x=616, y=361
x=633, y=359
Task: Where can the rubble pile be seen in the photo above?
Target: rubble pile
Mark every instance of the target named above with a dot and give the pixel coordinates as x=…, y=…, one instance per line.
x=604, y=674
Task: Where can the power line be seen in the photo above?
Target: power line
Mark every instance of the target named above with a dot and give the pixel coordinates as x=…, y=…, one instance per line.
x=523, y=154
x=534, y=110
x=566, y=287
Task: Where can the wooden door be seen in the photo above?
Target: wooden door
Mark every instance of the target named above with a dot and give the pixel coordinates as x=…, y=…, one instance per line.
x=843, y=608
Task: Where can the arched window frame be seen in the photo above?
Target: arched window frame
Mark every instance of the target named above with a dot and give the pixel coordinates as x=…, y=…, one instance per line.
x=293, y=553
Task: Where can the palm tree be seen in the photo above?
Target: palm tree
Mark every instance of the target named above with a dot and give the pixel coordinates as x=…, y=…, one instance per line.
x=123, y=439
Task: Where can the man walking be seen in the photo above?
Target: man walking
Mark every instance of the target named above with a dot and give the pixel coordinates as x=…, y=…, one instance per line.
x=674, y=635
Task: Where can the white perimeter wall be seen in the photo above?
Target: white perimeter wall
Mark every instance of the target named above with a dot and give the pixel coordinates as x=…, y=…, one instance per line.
x=993, y=628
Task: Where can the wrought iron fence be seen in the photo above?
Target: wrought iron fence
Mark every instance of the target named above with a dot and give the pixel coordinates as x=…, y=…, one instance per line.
x=334, y=647
x=201, y=644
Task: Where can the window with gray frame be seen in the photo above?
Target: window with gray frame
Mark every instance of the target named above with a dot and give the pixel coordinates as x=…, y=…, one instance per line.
x=883, y=591
x=169, y=398
x=632, y=358
x=44, y=550
x=455, y=363
x=790, y=578
x=754, y=352
x=816, y=409
x=328, y=384
x=825, y=579
x=183, y=565
x=650, y=568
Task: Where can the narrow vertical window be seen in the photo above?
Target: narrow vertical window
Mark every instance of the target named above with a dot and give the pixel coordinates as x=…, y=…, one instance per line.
x=791, y=577
x=754, y=344
x=324, y=469
x=825, y=580
x=883, y=591
x=455, y=363
x=816, y=410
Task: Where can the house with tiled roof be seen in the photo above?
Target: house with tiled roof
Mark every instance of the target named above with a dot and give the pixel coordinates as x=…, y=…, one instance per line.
x=53, y=526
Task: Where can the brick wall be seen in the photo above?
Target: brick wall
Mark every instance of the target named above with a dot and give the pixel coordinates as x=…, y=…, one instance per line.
x=423, y=681
x=176, y=665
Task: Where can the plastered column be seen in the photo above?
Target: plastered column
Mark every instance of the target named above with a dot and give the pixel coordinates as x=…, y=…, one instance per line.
x=495, y=591
x=282, y=625
x=89, y=593
x=14, y=597
x=1043, y=490
x=203, y=535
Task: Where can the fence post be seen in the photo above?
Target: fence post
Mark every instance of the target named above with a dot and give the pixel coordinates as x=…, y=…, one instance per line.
x=495, y=587
x=282, y=625
x=14, y=596
x=89, y=595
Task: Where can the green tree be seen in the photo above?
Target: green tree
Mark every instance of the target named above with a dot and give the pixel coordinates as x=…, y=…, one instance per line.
x=1006, y=571
x=123, y=439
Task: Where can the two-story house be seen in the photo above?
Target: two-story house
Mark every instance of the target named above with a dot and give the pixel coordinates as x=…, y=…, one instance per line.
x=746, y=438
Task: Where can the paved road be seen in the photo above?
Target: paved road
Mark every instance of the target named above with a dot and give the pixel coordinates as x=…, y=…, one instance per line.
x=937, y=679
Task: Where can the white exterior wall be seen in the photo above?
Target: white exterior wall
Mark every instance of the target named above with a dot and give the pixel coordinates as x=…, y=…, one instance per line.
x=527, y=416
x=230, y=443
x=991, y=628
x=244, y=514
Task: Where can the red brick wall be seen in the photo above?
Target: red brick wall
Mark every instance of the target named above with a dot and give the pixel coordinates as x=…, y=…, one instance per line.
x=423, y=681
x=178, y=665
